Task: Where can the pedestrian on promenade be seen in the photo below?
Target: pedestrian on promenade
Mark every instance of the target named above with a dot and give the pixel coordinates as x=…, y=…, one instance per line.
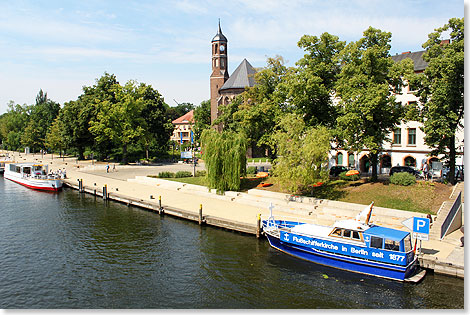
x=107, y=168
x=426, y=171
x=114, y=167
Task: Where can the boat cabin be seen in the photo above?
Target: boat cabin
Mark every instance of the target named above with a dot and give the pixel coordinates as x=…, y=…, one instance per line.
x=389, y=239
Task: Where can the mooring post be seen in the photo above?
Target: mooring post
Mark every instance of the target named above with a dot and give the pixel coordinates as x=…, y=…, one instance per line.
x=258, y=226
x=105, y=191
x=200, y=214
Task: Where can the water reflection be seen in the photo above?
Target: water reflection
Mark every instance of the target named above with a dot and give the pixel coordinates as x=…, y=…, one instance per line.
x=70, y=250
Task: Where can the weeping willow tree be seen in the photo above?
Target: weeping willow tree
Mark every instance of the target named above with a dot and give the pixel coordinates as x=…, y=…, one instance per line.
x=224, y=154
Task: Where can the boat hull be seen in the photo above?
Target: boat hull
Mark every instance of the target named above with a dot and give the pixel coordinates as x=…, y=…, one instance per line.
x=352, y=264
x=38, y=184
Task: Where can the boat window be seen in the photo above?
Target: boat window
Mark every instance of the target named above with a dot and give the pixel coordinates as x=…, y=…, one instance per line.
x=356, y=236
x=407, y=241
x=27, y=170
x=337, y=232
x=347, y=233
x=376, y=242
x=392, y=245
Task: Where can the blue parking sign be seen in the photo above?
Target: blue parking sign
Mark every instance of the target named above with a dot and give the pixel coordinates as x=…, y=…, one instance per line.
x=421, y=225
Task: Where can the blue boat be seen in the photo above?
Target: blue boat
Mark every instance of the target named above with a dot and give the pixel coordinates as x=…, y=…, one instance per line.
x=354, y=245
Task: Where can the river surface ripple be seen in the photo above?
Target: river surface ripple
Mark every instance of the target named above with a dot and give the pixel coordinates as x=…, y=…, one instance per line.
x=70, y=250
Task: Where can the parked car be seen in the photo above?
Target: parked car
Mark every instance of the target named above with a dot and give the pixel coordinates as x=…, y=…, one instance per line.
x=459, y=172
x=399, y=169
x=336, y=170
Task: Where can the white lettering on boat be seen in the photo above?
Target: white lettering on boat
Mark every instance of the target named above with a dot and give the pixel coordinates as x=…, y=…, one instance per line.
x=314, y=243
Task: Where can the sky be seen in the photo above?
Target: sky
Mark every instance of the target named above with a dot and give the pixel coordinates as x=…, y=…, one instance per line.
x=61, y=46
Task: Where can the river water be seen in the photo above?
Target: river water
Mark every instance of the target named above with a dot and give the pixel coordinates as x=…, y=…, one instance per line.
x=71, y=250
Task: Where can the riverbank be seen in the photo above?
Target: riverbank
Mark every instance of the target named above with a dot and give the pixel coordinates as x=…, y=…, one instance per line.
x=237, y=211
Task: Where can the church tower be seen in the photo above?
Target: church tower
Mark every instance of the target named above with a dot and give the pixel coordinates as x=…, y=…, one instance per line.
x=219, y=70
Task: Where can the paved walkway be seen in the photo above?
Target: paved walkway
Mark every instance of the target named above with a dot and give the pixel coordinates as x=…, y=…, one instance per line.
x=131, y=181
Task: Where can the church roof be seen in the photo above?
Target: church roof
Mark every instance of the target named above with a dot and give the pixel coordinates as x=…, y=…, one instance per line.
x=219, y=36
x=187, y=118
x=416, y=57
x=242, y=77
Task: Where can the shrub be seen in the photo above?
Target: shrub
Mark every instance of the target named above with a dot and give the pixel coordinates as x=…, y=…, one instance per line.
x=350, y=178
x=166, y=175
x=251, y=170
x=403, y=179
x=181, y=174
x=201, y=173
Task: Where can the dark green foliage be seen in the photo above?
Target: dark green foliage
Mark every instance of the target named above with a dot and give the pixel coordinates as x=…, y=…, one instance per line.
x=441, y=90
x=348, y=178
x=181, y=174
x=403, y=179
x=251, y=170
x=173, y=112
x=166, y=175
x=201, y=173
x=202, y=119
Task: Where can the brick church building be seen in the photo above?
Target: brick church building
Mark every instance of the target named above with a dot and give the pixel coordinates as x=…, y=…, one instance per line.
x=224, y=88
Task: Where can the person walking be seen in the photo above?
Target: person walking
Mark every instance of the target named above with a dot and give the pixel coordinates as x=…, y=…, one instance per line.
x=107, y=168
x=426, y=171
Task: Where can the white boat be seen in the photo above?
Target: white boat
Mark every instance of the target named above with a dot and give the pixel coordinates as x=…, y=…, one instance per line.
x=32, y=175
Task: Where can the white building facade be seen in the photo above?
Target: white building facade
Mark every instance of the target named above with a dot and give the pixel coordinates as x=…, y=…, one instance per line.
x=407, y=145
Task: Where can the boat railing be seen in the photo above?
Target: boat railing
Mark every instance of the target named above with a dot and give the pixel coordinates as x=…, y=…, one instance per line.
x=284, y=222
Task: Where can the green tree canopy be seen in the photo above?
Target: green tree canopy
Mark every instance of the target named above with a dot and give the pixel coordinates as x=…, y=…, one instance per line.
x=302, y=153
x=311, y=86
x=202, y=119
x=368, y=78
x=441, y=90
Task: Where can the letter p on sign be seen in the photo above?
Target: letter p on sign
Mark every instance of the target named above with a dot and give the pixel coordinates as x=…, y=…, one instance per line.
x=421, y=225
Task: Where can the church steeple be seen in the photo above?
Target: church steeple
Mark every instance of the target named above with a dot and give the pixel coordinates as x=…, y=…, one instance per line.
x=219, y=69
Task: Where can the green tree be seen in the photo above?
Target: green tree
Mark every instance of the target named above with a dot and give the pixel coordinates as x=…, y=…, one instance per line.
x=256, y=111
x=43, y=113
x=224, y=155
x=158, y=127
x=31, y=136
x=442, y=90
x=202, y=119
x=179, y=110
x=369, y=110
x=12, y=124
x=309, y=88
x=302, y=153
x=75, y=117
x=54, y=139
x=120, y=122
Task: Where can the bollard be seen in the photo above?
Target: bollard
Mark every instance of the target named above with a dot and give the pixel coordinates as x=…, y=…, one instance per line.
x=200, y=214
x=258, y=226
x=105, y=192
